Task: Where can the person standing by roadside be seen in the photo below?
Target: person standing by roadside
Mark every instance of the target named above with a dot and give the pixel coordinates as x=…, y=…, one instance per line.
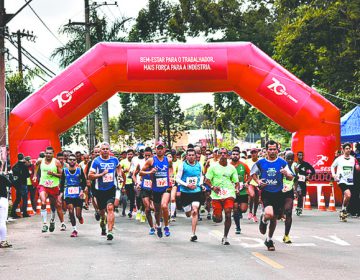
x=31, y=182
x=21, y=174
x=5, y=185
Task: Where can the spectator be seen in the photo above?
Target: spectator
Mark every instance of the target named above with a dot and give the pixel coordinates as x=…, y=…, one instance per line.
x=31, y=182
x=5, y=184
x=20, y=173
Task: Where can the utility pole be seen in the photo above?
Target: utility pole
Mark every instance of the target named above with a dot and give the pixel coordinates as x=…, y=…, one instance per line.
x=4, y=20
x=19, y=35
x=156, y=109
x=215, y=137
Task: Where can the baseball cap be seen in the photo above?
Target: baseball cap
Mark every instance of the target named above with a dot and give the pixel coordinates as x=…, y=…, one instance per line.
x=253, y=150
x=28, y=158
x=215, y=150
x=159, y=144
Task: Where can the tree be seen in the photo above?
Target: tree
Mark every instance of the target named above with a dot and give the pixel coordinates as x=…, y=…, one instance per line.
x=18, y=88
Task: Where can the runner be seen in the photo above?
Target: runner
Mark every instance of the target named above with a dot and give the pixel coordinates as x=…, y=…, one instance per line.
x=288, y=192
x=137, y=166
x=223, y=180
x=241, y=200
x=146, y=184
x=175, y=163
x=344, y=174
x=189, y=179
x=304, y=171
x=103, y=170
x=254, y=192
x=269, y=173
x=83, y=164
x=160, y=167
x=129, y=184
x=50, y=173
x=5, y=185
x=91, y=184
x=72, y=186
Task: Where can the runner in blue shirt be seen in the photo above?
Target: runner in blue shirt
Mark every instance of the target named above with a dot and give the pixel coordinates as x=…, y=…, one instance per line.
x=104, y=170
x=268, y=173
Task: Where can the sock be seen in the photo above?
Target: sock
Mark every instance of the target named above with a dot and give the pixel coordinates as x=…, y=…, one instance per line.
x=52, y=215
x=172, y=208
x=44, y=215
x=268, y=238
x=74, y=227
x=263, y=220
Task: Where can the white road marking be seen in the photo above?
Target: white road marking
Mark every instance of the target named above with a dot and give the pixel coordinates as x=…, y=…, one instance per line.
x=333, y=239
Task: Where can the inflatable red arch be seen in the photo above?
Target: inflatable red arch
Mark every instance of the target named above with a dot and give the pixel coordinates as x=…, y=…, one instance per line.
x=177, y=68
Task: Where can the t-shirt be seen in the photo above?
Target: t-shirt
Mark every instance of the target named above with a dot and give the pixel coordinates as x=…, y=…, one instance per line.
x=109, y=180
x=288, y=185
x=161, y=177
x=242, y=169
x=223, y=177
x=250, y=163
x=304, y=169
x=46, y=180
x=269, y=171
x=126, y=164
x=187, y=174
x=344, y=169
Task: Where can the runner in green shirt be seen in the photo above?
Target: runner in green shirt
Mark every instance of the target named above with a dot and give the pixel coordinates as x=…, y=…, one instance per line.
x=223, y=180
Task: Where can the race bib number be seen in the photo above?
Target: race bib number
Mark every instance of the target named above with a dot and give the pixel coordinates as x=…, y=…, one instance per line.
x=286, y=188
x=107, y=178
x=147, y=183
x=49, y=183
x=302, y=178
x=191, y=180
x=350, y=180
x=224, y=192
x=73, y=190
x=161, y=182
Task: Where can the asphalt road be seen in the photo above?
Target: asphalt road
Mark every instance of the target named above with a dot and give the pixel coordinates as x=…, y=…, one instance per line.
x=323, y=248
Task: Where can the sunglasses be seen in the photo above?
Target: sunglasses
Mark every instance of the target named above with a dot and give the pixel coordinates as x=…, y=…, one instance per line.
x=71, y=159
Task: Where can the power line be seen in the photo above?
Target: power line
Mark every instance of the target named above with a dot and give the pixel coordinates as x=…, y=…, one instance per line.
x=45, y=25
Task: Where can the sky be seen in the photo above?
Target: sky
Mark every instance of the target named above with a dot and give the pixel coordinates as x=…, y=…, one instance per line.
x=55, y=13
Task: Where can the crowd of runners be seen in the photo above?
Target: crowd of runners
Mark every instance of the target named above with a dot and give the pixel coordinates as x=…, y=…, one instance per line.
x=219, y=184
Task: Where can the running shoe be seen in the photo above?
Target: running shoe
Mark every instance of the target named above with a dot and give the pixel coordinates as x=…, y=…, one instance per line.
x=255, y=219
x=172, y=218
x=167, y=231
x=103, y=231
x=97, y=216
x=81, y=220
x=52, y=226
x=202, y=209
x=5, y=244
x=123, y=214
x=199, y=218
x=116, y=209
x=130, y=215
x=343, y=215
x=74, y=233
x=152, y=231
x=287, y=239
x=238, y=230
x=138, y=216
x=262, y=225
x=44, y=228
x=159, y=232
x=110, y=236
x=298, y=211
x=208, y=216
x=143, y=218
x=270, y=245
x=225, y=241
x=193, y=238
x=62, y=227
x=250, y=216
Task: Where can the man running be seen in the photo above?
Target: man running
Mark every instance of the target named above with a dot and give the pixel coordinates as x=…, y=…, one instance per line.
x=103, y=170
x=254, y=192
x=304, y=171
x=50, y=174
x=241, y=200
x=269, y=173
x=223, y=180
x=72, y=186
x=189, y=179
x=344, y=175
x=160, y=167
x=129, y=184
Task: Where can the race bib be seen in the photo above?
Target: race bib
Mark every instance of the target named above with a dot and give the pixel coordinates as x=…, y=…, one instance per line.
x=224, y=192
x=73, y=190
x=147, y=183
x=302, y=178
x=107, y=178
x=49, y=183
x=286, y=188
x=192, y=180
x=161, y=182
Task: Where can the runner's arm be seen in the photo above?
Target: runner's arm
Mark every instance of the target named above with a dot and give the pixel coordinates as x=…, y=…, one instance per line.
x=82, y=179
x=179, y=175
x=147, y=166
x=62, y=182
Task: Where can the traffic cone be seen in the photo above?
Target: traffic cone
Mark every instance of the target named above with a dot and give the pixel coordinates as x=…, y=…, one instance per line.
x=38, y=207
x=48, y=208
x=29, y=209
x=321, y=205
x=18, y=212
x=332, y=207
x=307, y=202
x=295, y=202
